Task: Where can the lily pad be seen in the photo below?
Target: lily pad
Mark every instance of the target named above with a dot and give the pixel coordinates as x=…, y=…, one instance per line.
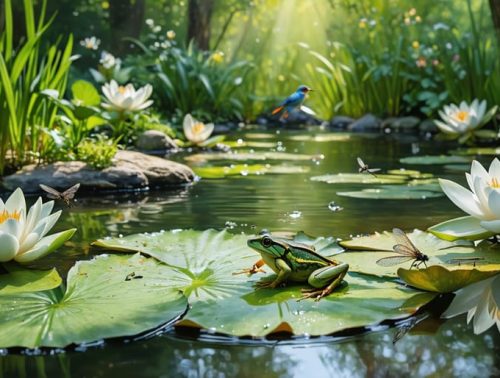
x=203, y=264
x=410, y=173
x=359, y=178
x=21, y=280
x=240, y=143
x=457, y=167
x=493, y=151
x=332, y=137
x=457, y=259
x=397, y=192
x=249, y=156
x=109, y=296
x=467, y=227
x=245, y=170
x=434, y=160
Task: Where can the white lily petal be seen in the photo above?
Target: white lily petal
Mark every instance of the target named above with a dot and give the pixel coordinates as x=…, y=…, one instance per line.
x=482, y=317
x=46, y=209
x=461, y=197
x=445, y=128
x=494, y=203
x=478, y=170
x=8, y=247
x=482, y=197
x=29, y=242
x=51, y=221
x=493, y=225
x=16, y=201
x=33, y=217
x=494, y=171
x=11, y=226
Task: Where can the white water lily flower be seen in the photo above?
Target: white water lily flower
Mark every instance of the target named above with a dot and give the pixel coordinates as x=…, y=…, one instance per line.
x=462, y=118
x=196, y=131
x=126, y=98
x=483, y=200
x=22, y=237
x=481, y=301
x=91, y=43
x=109, y=61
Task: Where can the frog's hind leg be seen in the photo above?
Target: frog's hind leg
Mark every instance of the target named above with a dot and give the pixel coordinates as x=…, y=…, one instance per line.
x=318, y=293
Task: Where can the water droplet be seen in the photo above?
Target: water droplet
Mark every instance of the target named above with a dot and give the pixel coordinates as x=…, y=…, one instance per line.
x=266, y=326
x=244, y=173
x=230, y=224
x=239, y=141
x=295, y=214
x=333, y=207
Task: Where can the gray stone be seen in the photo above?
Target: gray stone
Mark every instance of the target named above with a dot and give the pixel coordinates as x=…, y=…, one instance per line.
x=130, y=170
x=341, y=122
x=297, y=117
x=402, y=123
x=151, y=140
x=428, y=126
x=366, y=123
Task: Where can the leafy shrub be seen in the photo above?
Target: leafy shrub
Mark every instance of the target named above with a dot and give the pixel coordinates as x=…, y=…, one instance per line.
x=98, y=153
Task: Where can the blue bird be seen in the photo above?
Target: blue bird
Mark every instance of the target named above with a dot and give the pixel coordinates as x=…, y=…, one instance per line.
x=293, y=101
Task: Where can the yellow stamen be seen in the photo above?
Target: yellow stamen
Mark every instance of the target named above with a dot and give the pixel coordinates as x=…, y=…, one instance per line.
x=198, y=127
x=5, y=215
x=461, y=115
x=495, y=183
x=122, y=89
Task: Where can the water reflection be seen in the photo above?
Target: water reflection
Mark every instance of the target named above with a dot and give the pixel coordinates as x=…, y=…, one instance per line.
x=453, y=351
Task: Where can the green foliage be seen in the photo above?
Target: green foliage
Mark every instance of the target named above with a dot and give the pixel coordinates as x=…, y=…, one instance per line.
x=26, y=71
x=98, y=153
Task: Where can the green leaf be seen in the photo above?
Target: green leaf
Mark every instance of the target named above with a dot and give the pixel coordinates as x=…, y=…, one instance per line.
x=493, y=151
x=397, y=192
x=332, y=137
x=245, y=170
x=240, y=143
x=203, y=264
x=20, y=280
x=360, y=178
x=46, y=245
x=211, y=142
x=105, y=297
x=434, y=160
x=248, y=156
x=84, y=93
x=466, y=227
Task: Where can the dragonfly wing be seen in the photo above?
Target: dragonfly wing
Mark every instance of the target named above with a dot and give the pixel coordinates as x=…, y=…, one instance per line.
x=402, y=239
x=52, y=193
x=373, y=170
x=393, y=260
x=70, y=193
x=404, y=250
x=360, y=162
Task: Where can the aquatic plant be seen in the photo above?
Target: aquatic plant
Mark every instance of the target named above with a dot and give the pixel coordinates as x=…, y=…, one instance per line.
x=22, y=235
x=482, y=201
x=481, y=302
x=98, y=153
x=25, y=72
x=198, y=133
x=126, y=98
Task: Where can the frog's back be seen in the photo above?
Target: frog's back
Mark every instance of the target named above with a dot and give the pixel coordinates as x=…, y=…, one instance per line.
x=304, y=262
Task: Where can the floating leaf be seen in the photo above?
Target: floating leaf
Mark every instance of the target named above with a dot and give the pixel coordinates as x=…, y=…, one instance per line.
x=434, y=160
x=359, y=178
x=493, y=151
x=333, y=137
x=457, y=258
x=109, y=296
x=21, y=280
x=410, y=173
x=466, y=227
x=457, y=167
x=397, y=192
x=245, y=170
x=249, y=156
x=240, y=143
x=203, y=264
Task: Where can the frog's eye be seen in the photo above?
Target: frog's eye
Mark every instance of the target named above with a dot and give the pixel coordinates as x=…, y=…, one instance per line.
x=266, y=242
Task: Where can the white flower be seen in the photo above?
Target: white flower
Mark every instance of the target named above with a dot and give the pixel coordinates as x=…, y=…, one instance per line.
x=126, y=98
x=459, y=119
x=196, y=131
x=91, y=43
x=483, y=200
x=481, y=301
x=109, y=61
x=170, y=34
x=22, y=237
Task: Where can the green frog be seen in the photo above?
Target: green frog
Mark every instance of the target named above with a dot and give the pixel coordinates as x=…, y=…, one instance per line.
x=296, y=262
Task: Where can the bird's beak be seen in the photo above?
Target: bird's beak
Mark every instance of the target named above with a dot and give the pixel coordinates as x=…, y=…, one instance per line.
x=311, y=90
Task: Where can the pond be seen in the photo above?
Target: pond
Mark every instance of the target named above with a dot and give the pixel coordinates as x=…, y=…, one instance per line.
x=247, y=203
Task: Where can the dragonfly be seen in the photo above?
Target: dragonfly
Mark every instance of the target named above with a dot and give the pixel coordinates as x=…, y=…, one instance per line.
x=405, y=250
x=364, y=167
x=65, y=196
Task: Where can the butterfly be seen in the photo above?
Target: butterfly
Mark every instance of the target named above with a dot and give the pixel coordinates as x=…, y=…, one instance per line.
x=65, y=196
x=364, y=168
x=406, y=251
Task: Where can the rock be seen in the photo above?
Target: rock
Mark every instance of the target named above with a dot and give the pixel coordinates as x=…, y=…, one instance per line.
x=401, y=123
x=152, y=140
x=341, y=122
x=297, y=117
x=130, y=170
x=428, y=126
x=366, y=123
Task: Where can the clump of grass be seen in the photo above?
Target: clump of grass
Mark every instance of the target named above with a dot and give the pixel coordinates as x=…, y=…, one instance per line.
x=98, y=153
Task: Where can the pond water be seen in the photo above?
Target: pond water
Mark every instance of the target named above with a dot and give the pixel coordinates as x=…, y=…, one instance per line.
x=277, y=202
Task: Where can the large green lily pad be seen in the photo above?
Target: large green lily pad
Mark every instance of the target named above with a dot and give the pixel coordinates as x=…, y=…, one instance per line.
x=203, y=266
x=397, y=192
x=434, y=159
x=461, y=262
x=467, y=227
x=215, y=172
x=248, y=156
x=493, y=151
x=21, y=280
x=109, y=296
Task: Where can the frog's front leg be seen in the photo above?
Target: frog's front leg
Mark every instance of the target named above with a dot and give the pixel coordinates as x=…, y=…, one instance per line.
x=283, y=273
x=325, y=280
x=257, y=267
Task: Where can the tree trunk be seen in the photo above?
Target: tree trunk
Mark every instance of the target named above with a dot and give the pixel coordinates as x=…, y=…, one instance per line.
x=495, y=15
x=199, y=18
x=126, y=18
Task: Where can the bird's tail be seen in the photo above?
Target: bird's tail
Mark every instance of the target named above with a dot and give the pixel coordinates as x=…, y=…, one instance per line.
x=277, y=110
